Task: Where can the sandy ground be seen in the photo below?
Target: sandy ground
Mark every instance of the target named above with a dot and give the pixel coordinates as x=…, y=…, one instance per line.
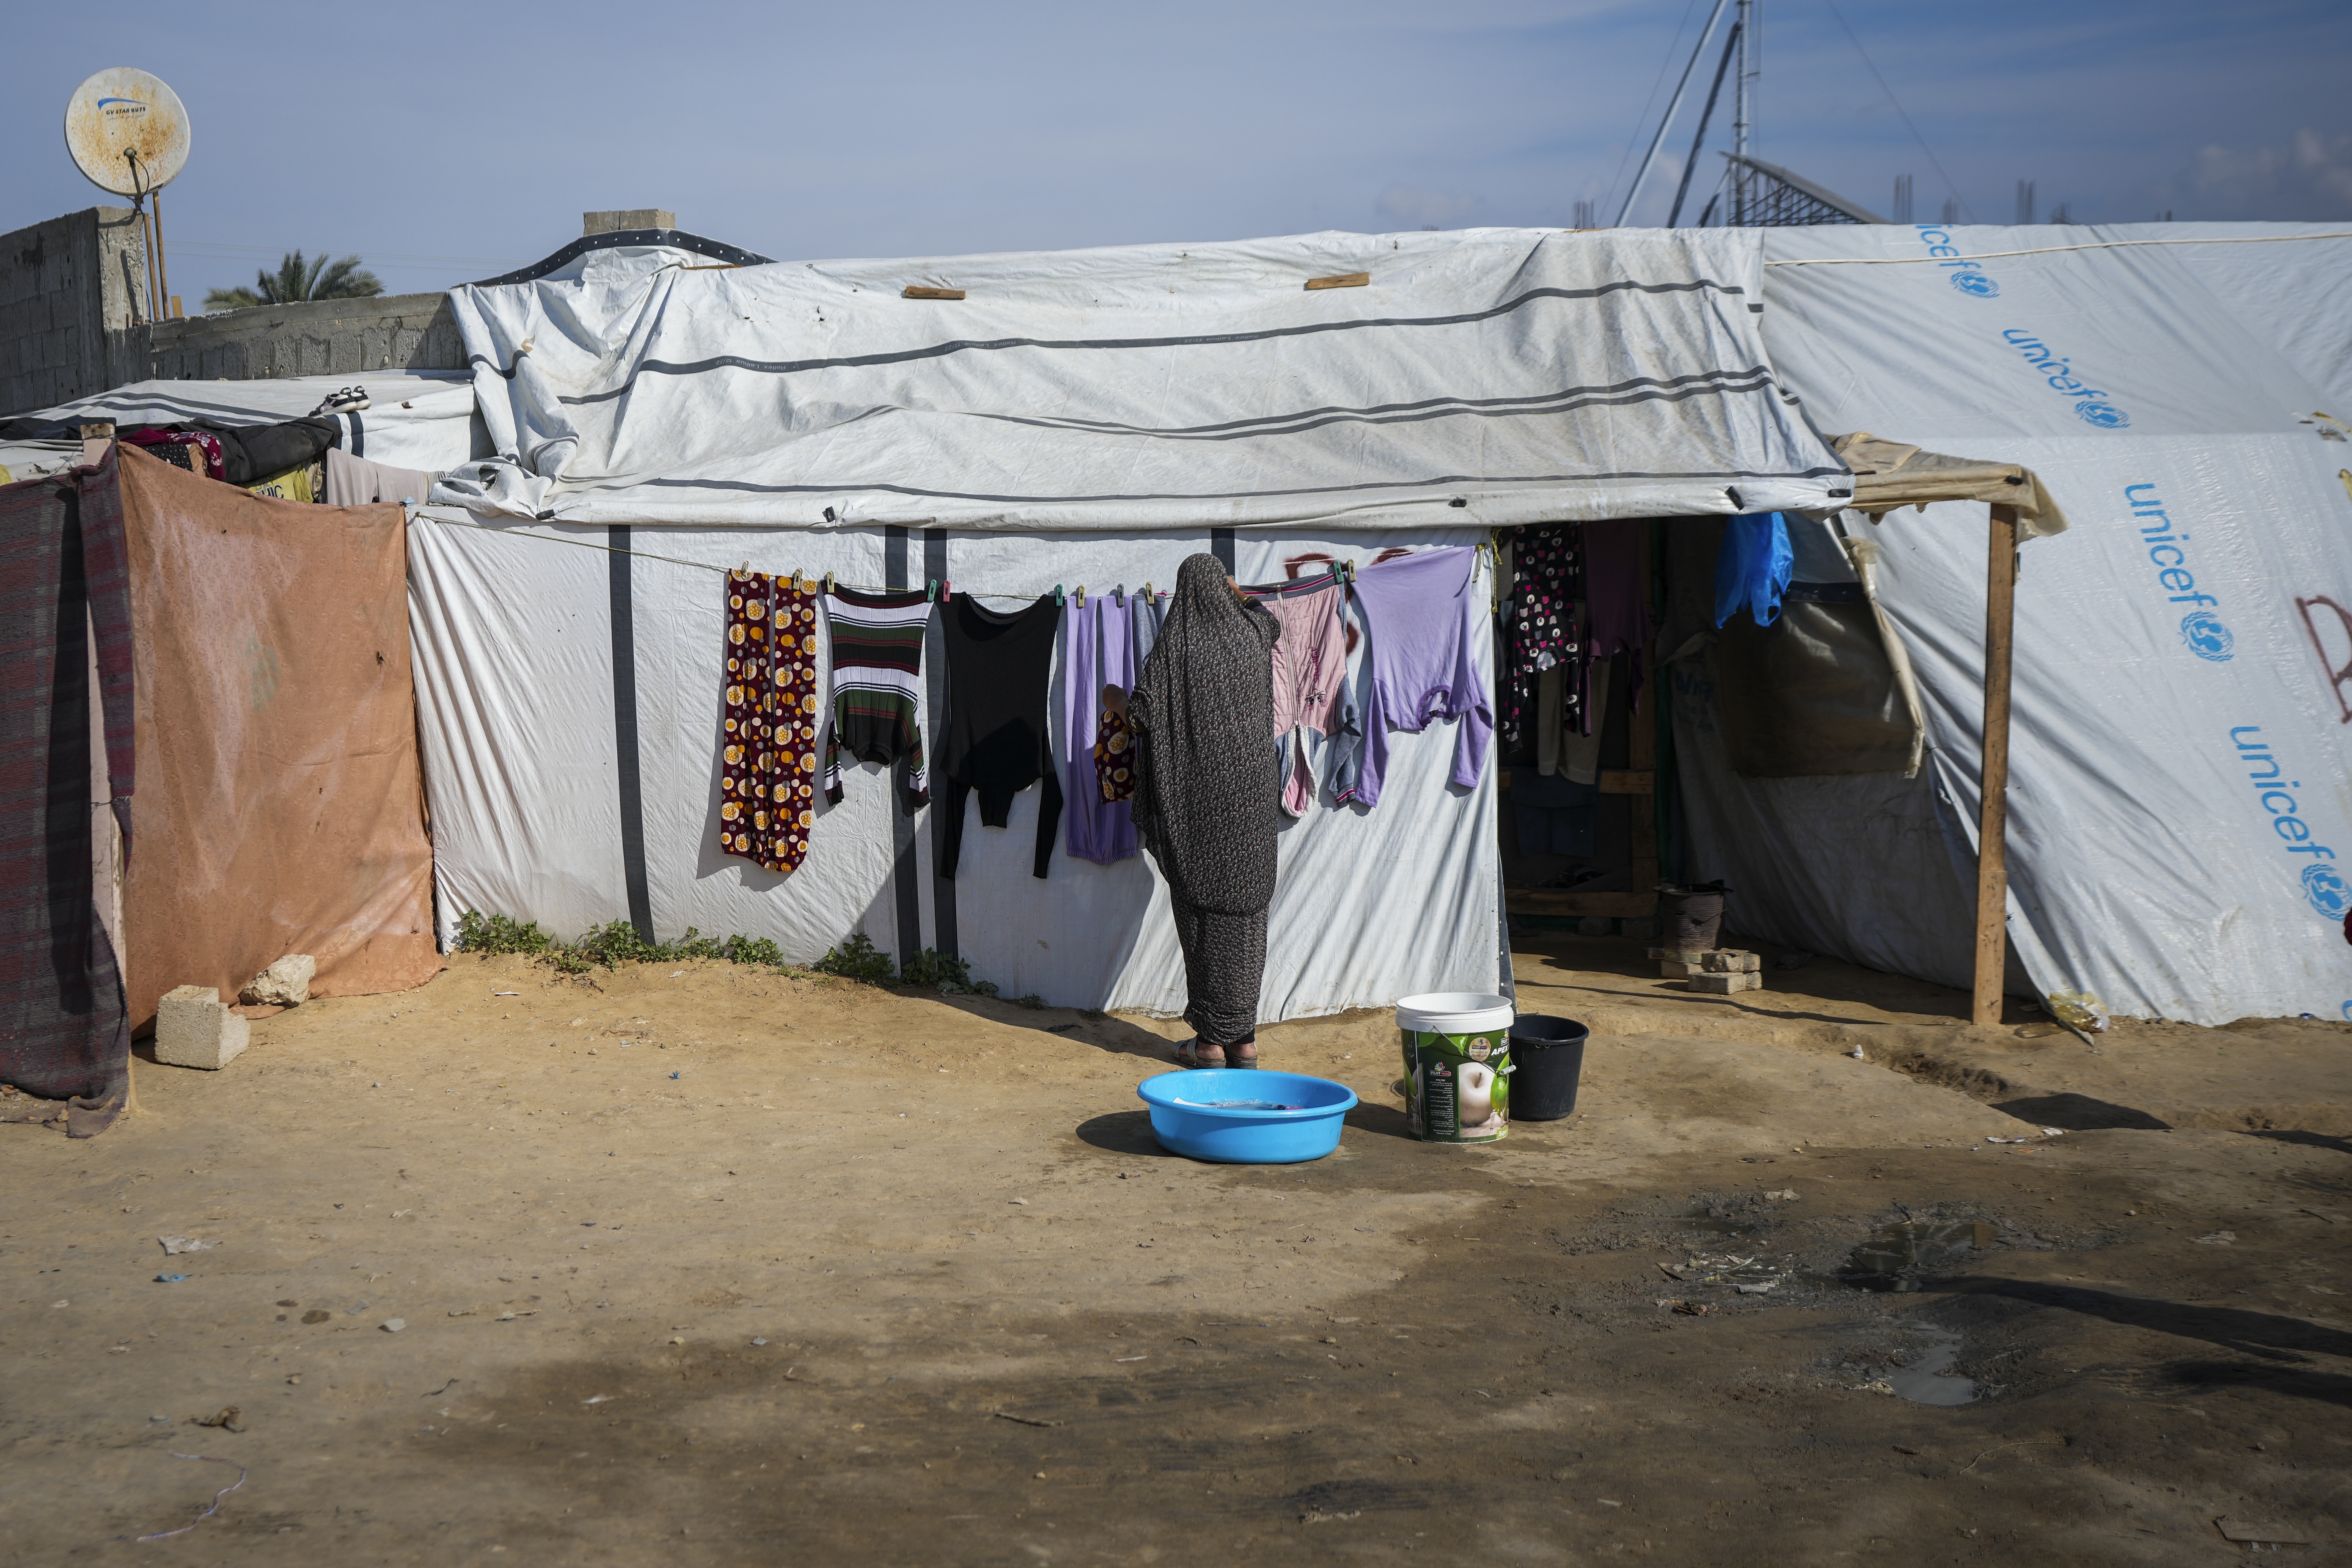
x=674, y=1284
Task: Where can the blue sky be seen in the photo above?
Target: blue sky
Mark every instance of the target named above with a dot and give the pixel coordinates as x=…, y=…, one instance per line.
x=443, y=142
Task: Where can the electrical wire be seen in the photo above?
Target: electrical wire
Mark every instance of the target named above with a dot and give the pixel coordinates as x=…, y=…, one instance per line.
x=205, y=1458
x=2048, y=250
x=1891, y=98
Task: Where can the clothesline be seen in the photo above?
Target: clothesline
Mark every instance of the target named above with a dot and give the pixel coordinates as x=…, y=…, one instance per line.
x=420, y=515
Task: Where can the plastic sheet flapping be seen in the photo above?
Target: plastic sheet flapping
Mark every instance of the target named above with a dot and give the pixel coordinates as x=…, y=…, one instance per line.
x=1753, y=567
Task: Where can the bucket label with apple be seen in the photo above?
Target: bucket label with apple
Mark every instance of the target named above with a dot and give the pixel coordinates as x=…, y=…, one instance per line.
x=1457, y=1066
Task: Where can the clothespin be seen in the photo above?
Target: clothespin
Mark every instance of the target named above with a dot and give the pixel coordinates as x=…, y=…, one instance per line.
x=1119, y=595
x=931, y=591
x=1057, y=594
x=1348, y=569
x=1082, y=595
x=829, y=582
x=947, y=589
x=1147, y=593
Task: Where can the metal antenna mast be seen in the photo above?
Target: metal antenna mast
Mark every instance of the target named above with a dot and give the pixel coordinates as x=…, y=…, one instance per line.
x=1742, y=114
x=1673, y=105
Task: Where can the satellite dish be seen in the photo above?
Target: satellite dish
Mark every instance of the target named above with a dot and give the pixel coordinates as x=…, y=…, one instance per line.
x=126, y=131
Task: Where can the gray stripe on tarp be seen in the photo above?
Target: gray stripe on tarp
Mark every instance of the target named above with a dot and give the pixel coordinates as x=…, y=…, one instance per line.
x=935, y=691
x=903, y=873
x=1449, y=482
x=625, y=734
x=1195, y=339
x=1221, y=545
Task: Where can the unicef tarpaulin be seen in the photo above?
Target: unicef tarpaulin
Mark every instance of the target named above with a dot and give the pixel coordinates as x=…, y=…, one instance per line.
x=2180, y=803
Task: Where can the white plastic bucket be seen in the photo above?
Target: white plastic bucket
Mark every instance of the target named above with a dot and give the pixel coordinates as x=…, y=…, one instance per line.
x=1455, y=1013
x=1457, y=1064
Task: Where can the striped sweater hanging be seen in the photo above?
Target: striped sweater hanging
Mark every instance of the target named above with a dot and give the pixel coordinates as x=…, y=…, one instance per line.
x=878, y=659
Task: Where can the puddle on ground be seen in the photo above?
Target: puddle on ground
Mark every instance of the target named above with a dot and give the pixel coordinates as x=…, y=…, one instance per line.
x=1882, y=1262
x=1925, y=1380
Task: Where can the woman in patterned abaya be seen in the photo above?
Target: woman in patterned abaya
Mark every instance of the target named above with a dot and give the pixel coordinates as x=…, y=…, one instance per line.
x=1208, y=799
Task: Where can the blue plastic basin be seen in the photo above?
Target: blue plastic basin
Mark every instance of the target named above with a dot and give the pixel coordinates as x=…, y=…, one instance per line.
x=1234, y=1115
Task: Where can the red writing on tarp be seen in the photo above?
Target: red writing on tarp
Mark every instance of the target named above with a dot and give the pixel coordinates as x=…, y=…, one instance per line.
x=2337, y=635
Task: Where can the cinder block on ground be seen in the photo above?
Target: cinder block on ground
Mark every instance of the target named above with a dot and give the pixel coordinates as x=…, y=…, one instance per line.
x=1724, y=984
x=285, y=984
x=194, y=1028
x=1730, y=961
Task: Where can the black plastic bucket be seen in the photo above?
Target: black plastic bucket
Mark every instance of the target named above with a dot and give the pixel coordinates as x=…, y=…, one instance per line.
x=1547, y=1060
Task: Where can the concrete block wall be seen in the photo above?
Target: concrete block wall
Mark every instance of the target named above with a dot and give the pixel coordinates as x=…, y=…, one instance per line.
x=317, y=337
x=73, y=308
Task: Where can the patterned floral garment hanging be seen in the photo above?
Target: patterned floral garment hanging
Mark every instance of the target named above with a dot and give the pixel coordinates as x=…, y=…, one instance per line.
x=767, y=786
x=1547, y=580
x=1114, y=748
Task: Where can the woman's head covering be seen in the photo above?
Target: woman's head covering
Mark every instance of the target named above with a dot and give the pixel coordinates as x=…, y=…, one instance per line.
x=1207, y=790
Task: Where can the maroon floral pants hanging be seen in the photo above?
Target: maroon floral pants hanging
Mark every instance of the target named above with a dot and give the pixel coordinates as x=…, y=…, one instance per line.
x=1546, y=579
x=767, y=781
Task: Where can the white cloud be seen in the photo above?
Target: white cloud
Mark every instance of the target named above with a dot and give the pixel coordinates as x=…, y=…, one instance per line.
x=1416, y=206
x=2308, y=179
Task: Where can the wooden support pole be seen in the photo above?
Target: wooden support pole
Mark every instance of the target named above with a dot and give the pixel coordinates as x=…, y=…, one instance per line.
x=1992, y=823
x=148, y=244
x=162, y=272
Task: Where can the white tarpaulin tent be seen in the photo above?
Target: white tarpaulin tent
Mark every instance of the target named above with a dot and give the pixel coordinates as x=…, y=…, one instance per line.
x=1084, y=417
x=2180, y=803
x=1518, y=376
x=415, y=419
x=536, y=813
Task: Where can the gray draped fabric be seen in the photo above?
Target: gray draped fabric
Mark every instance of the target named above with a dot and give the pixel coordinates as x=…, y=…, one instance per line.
x=1207, y=796
x=64, y=569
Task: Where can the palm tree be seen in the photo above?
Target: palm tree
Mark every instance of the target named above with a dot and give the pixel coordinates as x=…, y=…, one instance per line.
x=299, y=279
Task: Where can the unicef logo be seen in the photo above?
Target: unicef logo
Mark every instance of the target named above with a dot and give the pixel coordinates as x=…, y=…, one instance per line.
x=2105, y=415
x=2330, y=893
x=1975, y=283
x=2206, y=636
